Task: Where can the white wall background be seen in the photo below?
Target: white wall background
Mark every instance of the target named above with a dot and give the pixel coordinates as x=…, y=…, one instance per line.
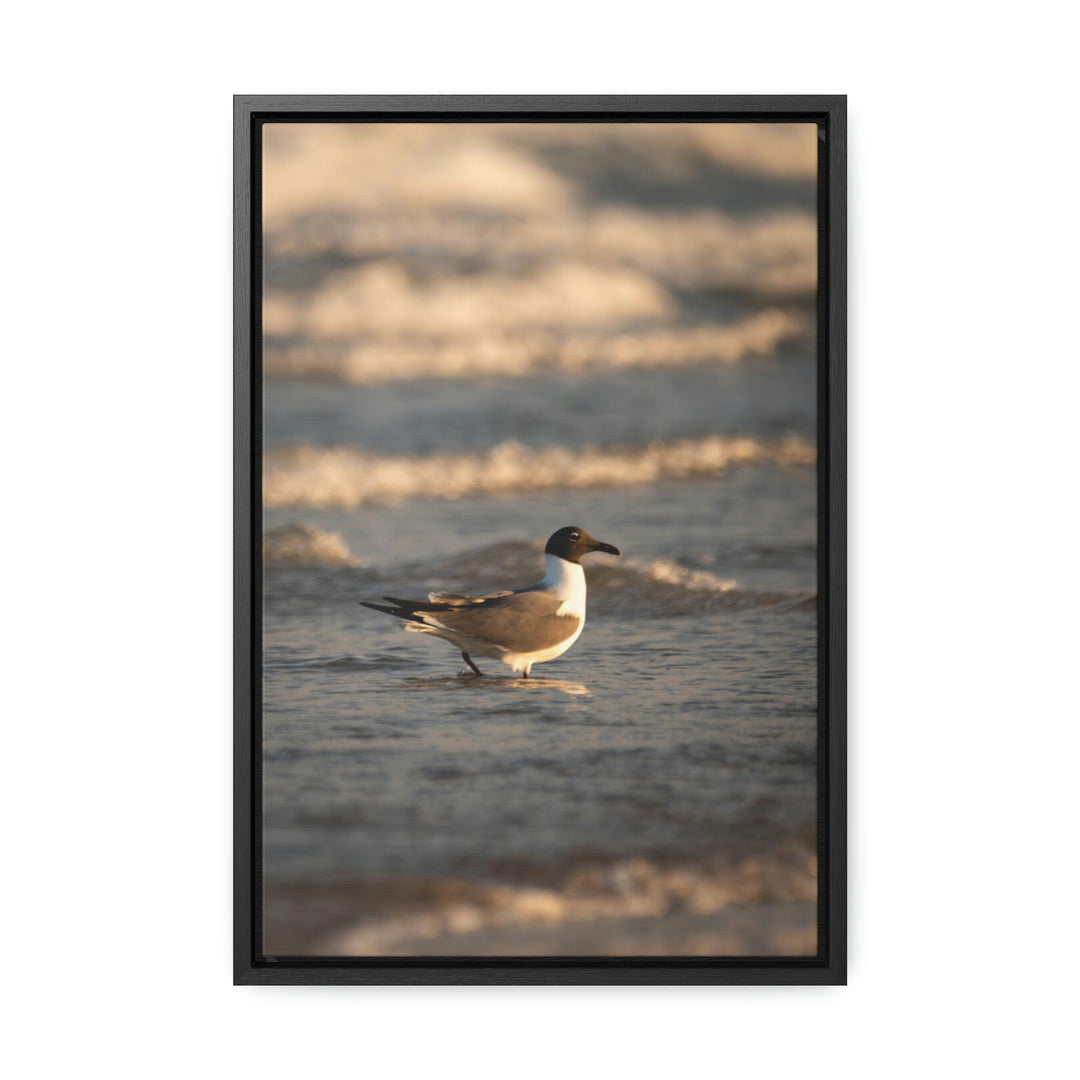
x=116, y=448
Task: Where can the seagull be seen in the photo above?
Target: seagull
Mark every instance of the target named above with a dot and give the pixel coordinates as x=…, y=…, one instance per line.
x=520, y=628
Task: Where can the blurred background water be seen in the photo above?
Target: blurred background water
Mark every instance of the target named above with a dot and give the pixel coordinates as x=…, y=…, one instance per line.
x=474, y=335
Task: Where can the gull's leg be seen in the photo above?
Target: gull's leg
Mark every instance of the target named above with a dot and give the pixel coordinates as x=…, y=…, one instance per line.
x=468, y=660
x=525, y=673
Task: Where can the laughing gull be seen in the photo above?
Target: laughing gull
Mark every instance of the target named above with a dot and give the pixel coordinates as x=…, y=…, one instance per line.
x=522, y=628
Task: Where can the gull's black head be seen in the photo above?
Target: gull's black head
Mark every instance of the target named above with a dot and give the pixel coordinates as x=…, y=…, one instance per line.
x=571, y=542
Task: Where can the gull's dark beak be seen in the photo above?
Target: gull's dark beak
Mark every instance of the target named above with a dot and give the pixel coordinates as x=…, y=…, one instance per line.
x=597, y=545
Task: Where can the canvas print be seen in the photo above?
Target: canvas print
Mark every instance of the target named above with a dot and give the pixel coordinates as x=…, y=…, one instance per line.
x=540, y=540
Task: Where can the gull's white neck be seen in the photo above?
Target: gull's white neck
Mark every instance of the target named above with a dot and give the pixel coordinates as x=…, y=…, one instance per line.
x=567, y=581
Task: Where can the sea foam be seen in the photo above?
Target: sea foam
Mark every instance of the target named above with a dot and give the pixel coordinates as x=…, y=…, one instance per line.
x=347, y=476
x=633, y=888
x=483, y=352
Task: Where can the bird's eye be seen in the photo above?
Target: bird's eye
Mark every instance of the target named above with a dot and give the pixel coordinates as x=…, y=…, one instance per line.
x=575, y=536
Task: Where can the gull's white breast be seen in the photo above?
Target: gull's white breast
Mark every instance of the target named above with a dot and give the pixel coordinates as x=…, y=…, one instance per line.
x=567, y=581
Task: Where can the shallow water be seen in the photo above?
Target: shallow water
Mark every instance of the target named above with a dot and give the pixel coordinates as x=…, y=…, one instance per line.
x=680, y=712
x=655, y=785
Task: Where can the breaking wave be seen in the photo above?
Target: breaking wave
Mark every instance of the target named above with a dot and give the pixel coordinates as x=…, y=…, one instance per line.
x=382, y=298
x=669, y=572
x=349, y=476
x=662, y=589
x=406, y=251
x=302, y=544
x=484, y=352
x=597, y=903
x=358, y=167
x=504, y=167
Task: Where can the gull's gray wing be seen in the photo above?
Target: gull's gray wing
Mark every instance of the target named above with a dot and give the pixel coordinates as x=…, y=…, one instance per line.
x=521, y=622
x=457, y=600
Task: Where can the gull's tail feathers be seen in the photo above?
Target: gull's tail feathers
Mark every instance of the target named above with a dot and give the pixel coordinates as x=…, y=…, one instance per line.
x=402, y=610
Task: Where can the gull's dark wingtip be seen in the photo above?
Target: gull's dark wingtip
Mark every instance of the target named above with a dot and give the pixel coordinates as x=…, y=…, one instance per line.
x=378, y=607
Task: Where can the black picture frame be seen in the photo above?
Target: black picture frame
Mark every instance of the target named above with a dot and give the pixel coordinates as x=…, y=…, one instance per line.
x=828, y=112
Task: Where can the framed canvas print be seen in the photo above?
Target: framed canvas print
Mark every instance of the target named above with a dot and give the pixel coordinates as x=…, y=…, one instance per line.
x=540, y=556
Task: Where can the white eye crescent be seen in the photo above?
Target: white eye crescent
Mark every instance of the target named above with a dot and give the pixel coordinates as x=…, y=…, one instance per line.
x=575, y=536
